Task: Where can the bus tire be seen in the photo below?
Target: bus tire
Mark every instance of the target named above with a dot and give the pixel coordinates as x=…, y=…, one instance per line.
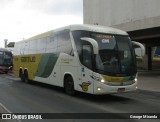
x=21, y=75
x=26, y=80
x=69, y=85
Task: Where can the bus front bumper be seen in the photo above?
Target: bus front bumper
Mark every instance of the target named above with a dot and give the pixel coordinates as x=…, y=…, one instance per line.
x=100, y=88
x=5, y=69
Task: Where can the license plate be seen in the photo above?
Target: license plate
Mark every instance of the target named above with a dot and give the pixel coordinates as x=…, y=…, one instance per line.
x=121, y=89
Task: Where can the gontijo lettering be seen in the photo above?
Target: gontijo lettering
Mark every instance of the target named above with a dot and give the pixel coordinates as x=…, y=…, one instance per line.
x=28, y=59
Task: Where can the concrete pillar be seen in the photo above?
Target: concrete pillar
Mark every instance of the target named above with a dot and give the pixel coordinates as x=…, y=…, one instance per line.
x=5, y=43
x=145, y=62
x=147, y=59
x=153, y=51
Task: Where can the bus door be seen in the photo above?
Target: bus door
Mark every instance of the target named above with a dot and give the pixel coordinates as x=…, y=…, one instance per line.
x=86, y=69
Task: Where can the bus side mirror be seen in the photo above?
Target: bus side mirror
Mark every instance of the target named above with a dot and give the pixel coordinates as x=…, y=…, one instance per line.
x=139, y=48
x=94, y=44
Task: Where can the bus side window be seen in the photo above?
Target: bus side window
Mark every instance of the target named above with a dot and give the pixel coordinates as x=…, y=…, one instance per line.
x=87, y=56
x=64, y=43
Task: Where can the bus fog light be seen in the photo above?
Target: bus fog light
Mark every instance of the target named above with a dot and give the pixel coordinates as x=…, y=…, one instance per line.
x=99, y=89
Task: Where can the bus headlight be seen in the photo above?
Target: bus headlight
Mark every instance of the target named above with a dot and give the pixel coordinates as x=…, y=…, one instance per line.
x=135, y=80
x=102, y=81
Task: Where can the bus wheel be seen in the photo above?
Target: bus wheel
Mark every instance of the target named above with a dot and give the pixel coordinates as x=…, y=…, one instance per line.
x=26, y=80
x=21, y=75
x=69, y=86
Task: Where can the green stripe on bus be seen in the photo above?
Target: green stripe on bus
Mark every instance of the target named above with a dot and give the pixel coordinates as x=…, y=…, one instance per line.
x=46, y=64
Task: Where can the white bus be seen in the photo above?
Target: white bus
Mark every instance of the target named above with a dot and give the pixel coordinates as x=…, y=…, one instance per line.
x=86, y=58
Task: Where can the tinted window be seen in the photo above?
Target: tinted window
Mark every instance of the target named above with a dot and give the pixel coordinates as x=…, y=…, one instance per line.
x=41, y=45
x=87, y=56
x=77, y=35
x=5, y=58
x=64, y=43
x=115, y=56
x=52, y=44
x=1, y=57
x=32, y=47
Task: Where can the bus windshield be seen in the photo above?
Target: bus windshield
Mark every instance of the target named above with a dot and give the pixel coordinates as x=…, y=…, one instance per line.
x=5, y=58
x=116, y=55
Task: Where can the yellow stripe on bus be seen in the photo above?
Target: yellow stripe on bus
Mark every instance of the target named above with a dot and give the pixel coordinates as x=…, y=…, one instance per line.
x=30, y=62
x=113, y=79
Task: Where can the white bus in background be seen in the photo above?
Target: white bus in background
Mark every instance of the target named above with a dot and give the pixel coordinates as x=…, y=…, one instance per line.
x=86, y=58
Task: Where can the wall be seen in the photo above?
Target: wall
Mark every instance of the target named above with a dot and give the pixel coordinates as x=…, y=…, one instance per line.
x=127, y=15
